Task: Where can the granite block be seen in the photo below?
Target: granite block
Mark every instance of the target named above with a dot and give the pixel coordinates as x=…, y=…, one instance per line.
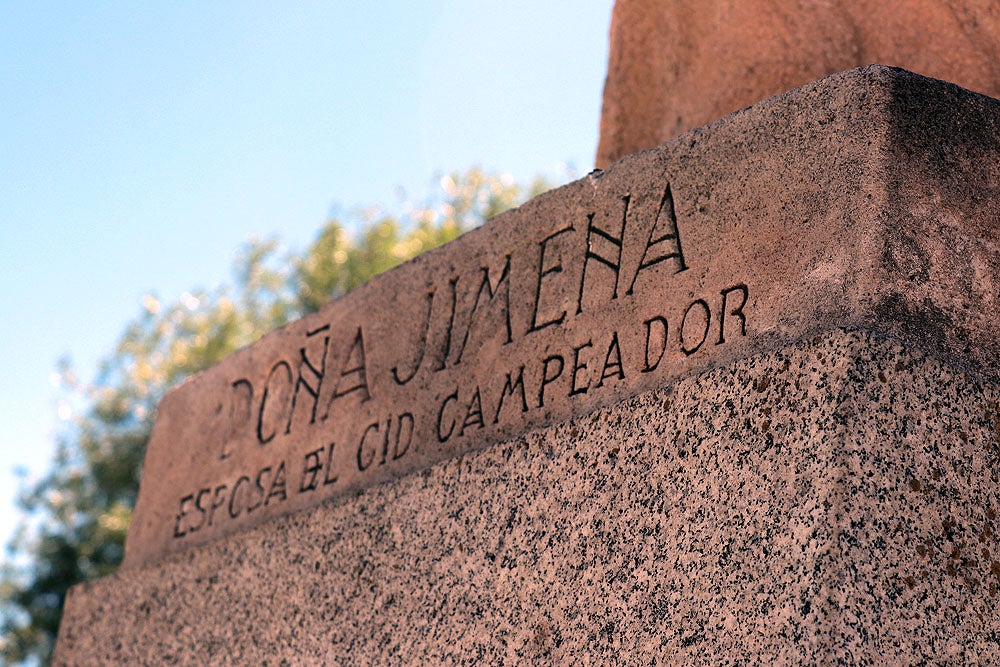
x=868, y=199
x=831, y=502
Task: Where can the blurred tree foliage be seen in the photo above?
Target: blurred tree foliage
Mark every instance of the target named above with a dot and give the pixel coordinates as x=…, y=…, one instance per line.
x=75, y=518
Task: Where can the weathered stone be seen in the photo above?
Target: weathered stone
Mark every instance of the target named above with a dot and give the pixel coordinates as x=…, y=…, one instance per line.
x=831, y=503
x=675, y=64
x=868, y=199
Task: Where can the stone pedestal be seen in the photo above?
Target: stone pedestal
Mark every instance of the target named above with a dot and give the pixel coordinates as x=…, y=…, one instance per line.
x=731, y=401
x=834, y=502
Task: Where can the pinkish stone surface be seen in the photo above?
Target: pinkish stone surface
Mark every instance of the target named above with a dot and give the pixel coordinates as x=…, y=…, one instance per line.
x=834, y=502
x=677, y=64
x=867, y=199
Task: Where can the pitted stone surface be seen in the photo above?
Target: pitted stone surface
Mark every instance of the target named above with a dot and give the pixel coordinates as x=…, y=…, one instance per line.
x=868, y=199
x=834, y=502
x=676, y=64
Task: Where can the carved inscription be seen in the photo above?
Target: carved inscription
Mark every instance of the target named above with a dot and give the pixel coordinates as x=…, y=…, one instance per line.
x=338, y=404
x=593, y=365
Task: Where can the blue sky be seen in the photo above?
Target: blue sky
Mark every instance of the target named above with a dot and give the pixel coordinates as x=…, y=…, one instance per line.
x=142, y=143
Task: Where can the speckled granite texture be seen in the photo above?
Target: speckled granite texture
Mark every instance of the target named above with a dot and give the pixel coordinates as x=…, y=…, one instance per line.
x=869, y=199
x=831, y=503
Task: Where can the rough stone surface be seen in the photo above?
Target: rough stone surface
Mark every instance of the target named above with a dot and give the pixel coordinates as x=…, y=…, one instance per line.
x=676, y=64
x=868, y=199
x=834, y=502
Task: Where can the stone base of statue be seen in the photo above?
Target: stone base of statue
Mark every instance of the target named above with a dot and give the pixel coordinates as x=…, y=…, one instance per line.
x=734, y=400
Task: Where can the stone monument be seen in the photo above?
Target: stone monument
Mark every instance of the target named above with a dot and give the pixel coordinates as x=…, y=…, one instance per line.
x=676, y=64
x=733, y=400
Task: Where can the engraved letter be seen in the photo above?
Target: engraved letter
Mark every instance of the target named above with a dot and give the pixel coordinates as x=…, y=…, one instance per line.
x=277, y=485
x=671, y=233
x=421, y=346
x=359, y=370
x=403, y=446
x=443, y=359
x=508, y=390
x=615, y=351
x=310, y=471
x=473, y=413
x=688, y=351
x=329, y=477
x=261, y=438
x=260, y=489
x=232, y=498
x=237, y=417
x=181, y=513
x=490, y=292
x=365, y=462
x=613, y=264
x=548, y=379
x=443, y=437
x=542, y=273
x=662, y=321
x=317, y=372
x=217, y=502
x=201, y=510
x=577, y=367
x=736, y=312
